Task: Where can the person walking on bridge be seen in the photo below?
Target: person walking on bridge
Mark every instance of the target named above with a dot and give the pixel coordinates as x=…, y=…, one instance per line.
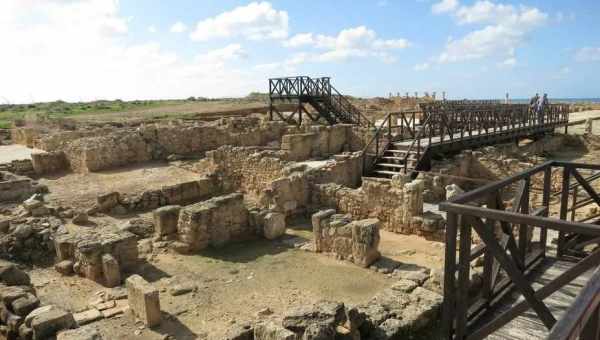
x=533, y=102
x=541, y=105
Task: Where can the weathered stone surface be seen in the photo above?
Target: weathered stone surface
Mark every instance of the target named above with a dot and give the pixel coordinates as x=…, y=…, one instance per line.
x=24, y=305
x=11, y=275
x=240, y=332
x=46, y=324
x=318, y=331
x=365, y=241
x=271, y=331
x=64, y=267
x=214, y=222
x=274, y=225
x=166, y=219
x=329, y=313
x=182, y=288
x=143, y=300
x=85, y=333
x=88, y=316
x=111, y=271
x=80, y=218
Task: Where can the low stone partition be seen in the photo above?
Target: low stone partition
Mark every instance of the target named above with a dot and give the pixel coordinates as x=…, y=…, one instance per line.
x=397, y=203
x=99, y=256
x=181, y=193
x=17, y=188
x=22, y=167
x=319, y=141
x=355, y=241
x=48, y=162
x=215, y=223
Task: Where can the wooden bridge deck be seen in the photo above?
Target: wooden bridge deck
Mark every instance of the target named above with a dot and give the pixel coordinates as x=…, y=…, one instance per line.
x=477, y=135
x=528, y=326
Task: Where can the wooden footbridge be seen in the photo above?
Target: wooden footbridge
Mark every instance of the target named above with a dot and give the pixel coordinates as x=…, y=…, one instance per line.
x=406, y=141
x=328, y=104
x=503, y=279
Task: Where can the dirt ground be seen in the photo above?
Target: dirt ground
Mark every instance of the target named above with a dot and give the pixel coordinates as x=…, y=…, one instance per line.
x=236, y=282
x=80, y=190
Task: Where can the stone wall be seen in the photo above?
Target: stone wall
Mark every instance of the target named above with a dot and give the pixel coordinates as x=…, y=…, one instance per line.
x=158, y=141
x=19, y=167
x=48, y=162
x=246, y=169
x=24, y=136
x=355, y=241
x=181, y=193
x=397, y=203
x=214, y=222
x=17, y=188
x=98, y=256
x=320, y=141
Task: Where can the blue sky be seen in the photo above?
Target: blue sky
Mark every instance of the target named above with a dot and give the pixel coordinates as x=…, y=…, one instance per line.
x=130, y=49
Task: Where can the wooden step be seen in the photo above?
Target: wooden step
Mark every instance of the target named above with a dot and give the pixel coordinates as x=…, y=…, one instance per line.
x=387, y=173
x=412, y=152
x=390, y=165
x=393, y=158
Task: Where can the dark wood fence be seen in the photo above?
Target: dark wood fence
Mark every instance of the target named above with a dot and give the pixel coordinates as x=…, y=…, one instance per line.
x=512, y=242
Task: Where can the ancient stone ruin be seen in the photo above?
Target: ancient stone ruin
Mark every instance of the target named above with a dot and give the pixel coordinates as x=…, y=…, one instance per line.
x=235, y=228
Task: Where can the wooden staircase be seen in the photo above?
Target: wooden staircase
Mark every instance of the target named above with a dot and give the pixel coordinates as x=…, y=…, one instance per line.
x=396, y=159
x=329, y=104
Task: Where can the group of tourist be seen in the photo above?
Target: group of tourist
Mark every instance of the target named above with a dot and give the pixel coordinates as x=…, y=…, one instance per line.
x=537, y=105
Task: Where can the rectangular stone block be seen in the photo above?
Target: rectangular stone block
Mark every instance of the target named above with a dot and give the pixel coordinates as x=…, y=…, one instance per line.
x=166, y=219
x=143, y=300
x=111, y=271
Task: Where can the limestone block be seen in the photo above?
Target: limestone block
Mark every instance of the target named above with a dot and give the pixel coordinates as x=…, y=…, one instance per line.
x=24, y=305
x=166, y=219
x=111, y=271
x=271, y=331
x=453, y=190
x=274, y=225
x=317, y=218
x=11, y=275
x=48, y=322
x=80, y=334
x=108, y=201
x=365, y=241
x=143, y=300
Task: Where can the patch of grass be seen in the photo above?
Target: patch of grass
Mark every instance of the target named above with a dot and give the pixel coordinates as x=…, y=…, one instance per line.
x=5, y=124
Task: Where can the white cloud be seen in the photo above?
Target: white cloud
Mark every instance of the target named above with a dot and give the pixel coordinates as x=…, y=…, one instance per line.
x=178, y=27
x=79, y=50
x=506, y=28
x=152, y=29
x=301, y=39
x=256, y=21
x=422, y=67
x=588, y=54
x=356, y=42
x=444, y=6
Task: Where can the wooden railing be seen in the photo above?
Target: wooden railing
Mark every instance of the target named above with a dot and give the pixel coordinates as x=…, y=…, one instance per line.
x=396, y=126
x=513, y=242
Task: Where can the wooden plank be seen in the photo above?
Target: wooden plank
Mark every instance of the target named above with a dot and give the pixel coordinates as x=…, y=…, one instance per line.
x=550, y=288
x=586, y=186
x=464, y=280
x=513, y=272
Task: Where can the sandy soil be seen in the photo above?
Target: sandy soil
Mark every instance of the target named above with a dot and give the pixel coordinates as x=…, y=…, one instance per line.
x=236, y=282
x=579, y=129
x=81, y=190
x=13, y=152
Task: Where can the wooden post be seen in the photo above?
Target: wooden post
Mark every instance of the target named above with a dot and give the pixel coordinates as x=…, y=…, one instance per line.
x=564, y=205
x=448, y=312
